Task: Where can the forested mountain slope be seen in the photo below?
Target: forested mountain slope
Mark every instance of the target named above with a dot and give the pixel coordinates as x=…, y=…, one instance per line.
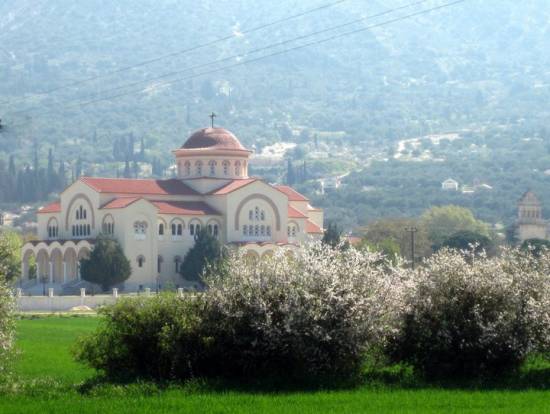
x=477, y=64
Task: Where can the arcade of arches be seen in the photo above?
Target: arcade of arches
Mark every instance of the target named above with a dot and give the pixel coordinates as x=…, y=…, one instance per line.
x=55, y=262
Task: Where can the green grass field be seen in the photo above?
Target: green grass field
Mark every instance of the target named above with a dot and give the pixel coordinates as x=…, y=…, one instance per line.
x=49, y=381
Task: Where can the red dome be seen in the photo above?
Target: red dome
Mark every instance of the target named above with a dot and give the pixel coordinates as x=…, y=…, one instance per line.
x=213, y=138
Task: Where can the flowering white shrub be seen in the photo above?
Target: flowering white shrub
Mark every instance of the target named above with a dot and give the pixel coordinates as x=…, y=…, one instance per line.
x=470, y=315
x=7, y=325
x=314, y=312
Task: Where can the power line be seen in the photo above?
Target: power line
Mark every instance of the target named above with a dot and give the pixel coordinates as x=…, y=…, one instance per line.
x=243, y=55
x=181, y=52
x=349, y=33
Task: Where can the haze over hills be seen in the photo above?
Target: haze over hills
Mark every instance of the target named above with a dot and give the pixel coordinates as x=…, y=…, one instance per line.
x=478, y=66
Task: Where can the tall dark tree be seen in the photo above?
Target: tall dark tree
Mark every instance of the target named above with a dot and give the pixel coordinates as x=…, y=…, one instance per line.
x=107, y=265
x=290, y=173
x=332, y=235
x=207, y=250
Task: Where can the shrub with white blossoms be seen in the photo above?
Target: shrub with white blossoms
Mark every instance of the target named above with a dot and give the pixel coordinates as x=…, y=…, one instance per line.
x=315, y=311
x=7, y=325
x=471, y=316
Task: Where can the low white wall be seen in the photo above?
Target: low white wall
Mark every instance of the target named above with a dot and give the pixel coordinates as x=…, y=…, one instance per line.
x=61, y=303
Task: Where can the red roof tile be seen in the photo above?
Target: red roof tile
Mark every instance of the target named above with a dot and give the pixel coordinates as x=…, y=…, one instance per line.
x=291, y=193
x=138, y=186
x=232, y=186
x=186, y=208
x=293, y=213
x=311, y=227
x=51, y=208
x=120, y=202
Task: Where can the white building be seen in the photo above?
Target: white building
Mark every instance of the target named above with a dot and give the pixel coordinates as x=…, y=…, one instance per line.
x=449, y=185
x=155, y=220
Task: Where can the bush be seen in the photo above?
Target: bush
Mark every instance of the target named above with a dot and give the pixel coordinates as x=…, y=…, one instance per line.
x=313, y=313
x=7, y=325
x=472, y=316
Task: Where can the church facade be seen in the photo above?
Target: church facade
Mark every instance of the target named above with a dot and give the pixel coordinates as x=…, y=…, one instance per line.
x=155, y=221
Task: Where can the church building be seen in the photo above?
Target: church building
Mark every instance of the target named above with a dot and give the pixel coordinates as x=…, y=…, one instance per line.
x=155, y=221
x=530, y=222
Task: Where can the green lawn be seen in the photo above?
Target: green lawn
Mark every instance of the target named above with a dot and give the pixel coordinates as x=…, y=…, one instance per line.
x=50, y=382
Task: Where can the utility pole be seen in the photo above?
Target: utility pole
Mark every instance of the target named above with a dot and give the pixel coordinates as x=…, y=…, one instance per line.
x=412, y=230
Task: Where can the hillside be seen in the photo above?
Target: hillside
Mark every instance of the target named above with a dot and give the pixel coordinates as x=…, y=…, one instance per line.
x=477, y=66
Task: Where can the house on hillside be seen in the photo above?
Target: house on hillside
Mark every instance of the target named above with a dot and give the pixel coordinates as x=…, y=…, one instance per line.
x=449, y=185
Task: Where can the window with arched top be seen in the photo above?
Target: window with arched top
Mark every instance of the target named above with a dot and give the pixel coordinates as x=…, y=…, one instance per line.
x=292, y=230
x=194, y=229
x=108, y=225
x=225, y=166
x=258, y=225
x=187, y=168
x=159, y=264
x=177, y=229
x=237, y=168
x=198, y=167
x=140, y=260
x=53, y=228
x=213, y=229
x=212, y=167
x=140, y=230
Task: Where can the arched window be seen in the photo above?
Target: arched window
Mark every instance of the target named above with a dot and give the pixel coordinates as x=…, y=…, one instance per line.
x=187, y=168
x=140, y=230
x=192, y=229
x=262, y=215
x=225, y=165
x=257, y=213
x=198, y=166
x=245, y=230
x=292, y=229
x=159, y=263
x=237, y=168
x=213, y=230
x=161, y=229
x=108, y=226
x=212, y=165
x=250, y=215
x=140, y=260
x=268, y=230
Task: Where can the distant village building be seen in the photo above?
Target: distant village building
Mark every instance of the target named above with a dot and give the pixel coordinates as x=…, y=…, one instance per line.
x=530, y=223
x=330, y=184
x=449, y=185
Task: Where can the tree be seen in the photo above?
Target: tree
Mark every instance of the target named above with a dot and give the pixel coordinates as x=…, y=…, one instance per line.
x=107, y=265
x=206, y=251
x=465, y=239
x=332, y=235
x=536, y=245
x=10, y=256
x=443, y=222
x=394, y=229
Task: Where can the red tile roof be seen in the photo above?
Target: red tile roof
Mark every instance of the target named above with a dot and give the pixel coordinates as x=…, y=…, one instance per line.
x=120, y=202
x=293, y=213
x=186, y=208
x=291, y=193
x=51, y=208
x=233, y=185
x=311, y=227
x=138, y=186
